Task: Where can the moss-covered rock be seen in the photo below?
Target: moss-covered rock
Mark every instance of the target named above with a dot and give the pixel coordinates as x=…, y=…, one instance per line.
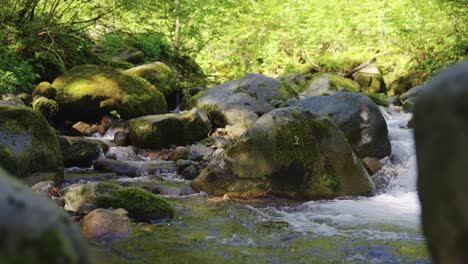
x=88, y=92
x=329, y=83
x=159, y=131
x=288, y=152
x=34, y=230
x=139, y=203
x=159, y=75
x=370, y=79
x=78, y=151
x=27, y=139
x=47, y=107
x=46, y=90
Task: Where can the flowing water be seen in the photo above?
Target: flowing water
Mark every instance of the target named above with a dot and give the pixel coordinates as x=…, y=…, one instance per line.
x=384, y=228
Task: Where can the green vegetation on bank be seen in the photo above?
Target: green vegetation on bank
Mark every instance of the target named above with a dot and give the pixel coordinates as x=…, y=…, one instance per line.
x=410, y=39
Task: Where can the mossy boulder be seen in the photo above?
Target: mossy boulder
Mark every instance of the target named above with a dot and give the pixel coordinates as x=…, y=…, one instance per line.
x=158, y=131
x=159, y=75
x=329, y=83
x=370, y=79
x=47, y=107
x=239, y=103
x=78, y=151
x=358, y=117
x=34, y=230
x=46, y=90
x=29, y=147
x=287, y=152
x=139, y=203
x=88, y=92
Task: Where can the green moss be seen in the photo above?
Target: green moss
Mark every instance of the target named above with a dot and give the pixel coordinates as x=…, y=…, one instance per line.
x=377, y=98
x=296, y=142
x=288, y=89
x=45, y=89
x=91, y=89
x=196, y=126
x=7, y=159
x=139, y=203
x=348, y=84
x=192, y=101
x=159, y=75
x=48, y=108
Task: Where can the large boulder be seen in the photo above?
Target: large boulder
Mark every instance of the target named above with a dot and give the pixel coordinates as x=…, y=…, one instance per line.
x=88, y=92
x=239, y=103
x=139, y=203
x=159, y=75
x=370, y=79
x=358, y=117
x=29, y=147
x=81, y=152
x=441, y=131
x=34, y=230
x=158, y=131
x=287, y=152
x=329, y=83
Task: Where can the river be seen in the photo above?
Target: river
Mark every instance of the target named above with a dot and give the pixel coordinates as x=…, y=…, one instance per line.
x=384, y=228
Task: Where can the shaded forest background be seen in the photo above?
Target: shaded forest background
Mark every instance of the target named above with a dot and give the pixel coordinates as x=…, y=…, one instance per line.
x=211, y=41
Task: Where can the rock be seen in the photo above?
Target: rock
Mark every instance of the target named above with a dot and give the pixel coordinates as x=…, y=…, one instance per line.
x=132, y=55
x=105, y=226
x=330, y=83
x=372, y=165
x=34, y=230
x=441, y=133
x=47, y=107
x=179, y=153
x=119, y=167
x=86, y=208
x=45, y=89
x=358, y=117
x=287, y=152
x=158, y=131
x=12, y=99
x=88, y=92
x=239, y=103
x=182, y=165
x=189, y=173
x=298, y=79
x=45, y=187
x=28, y=145
x=200, y=152
x=139, y=203
x=370, y=79
x=81, y=152
x=121, y=139
x=159, y=75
